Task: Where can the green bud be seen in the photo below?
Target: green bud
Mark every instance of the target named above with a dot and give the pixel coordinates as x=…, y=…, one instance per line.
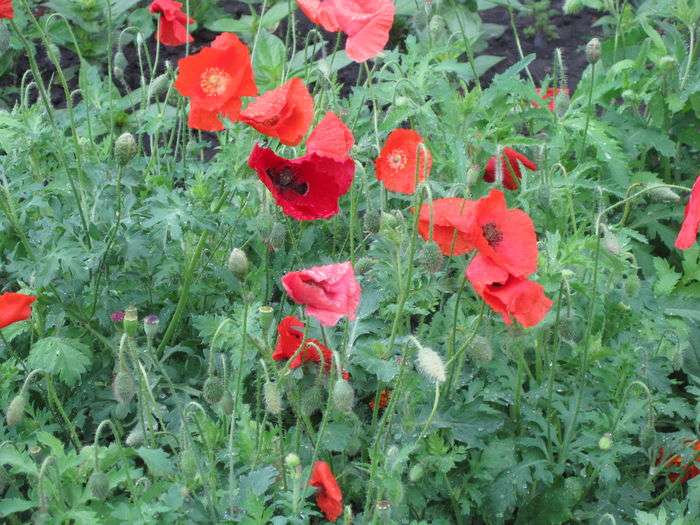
x=480, y=350
x=277, y=236
x=120, y=410
x=372, y=221
x=123, y=386
x=611, y=242
x=593, y=50
x=343, y=396
x=416, y=472
x=98, y=485
x=647, y=434
x=15, y=412
x=213, y=390
x=125, y=148
x=188, y=463
x=430, y=257
x=238, y=263
x=227, y=403
x=159, y=85
x=292, y=460
x=135, y=437
x=402, y=101
x=4, y=39
x=131, y=321
x=437, y=26
x=311, y=400
x=606, y=441
x=667, y=62
x=273, y=399
x=664, y=194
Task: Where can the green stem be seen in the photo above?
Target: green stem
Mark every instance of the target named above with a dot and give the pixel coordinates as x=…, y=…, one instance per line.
x=588, y=114
x=53, y=398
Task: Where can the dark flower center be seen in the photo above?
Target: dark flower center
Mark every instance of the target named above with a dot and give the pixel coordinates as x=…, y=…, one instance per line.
x=285, y=179
x=492, y=234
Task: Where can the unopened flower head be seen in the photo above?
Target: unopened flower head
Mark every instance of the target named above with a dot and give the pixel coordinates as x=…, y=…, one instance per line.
x=430, y=364
x=118, y=316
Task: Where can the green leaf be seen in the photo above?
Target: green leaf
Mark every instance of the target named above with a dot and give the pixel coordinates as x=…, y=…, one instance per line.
x=666, y=277
x=10, y=506
x=65, y=358
x=157, y=461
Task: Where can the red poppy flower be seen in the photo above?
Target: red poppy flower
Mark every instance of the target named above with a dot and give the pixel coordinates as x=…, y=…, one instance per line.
x=396, y=165
x=215, y=79
x=331, y=138
x=329, y=498
x=285, y=113
x=506, y=294
x=329, y=292
x=551, y=96
x=506, y=237
x=690, y=471
x=307, y=188
x=291, y=335
x=509, y=168
x=15, y=307
x=691, y=219
x=317, y=11
x=173, y=22
x=446, y=213
x=6, y=10
x=384, y=398
x=366, y=23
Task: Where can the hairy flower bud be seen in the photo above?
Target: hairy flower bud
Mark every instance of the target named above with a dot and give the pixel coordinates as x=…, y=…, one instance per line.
x=343, y=396
x=227, y=403
x=158, y=86
x=238, y=263
x=430, y=364
x=430, y=257
x=437, y=26
x=480, y=350
x=593, y=50
x=372, y=221
x=277, y=236
x=98, y=485
x=123, y=386
x=15, y=412
x=611, y=242
x=416, y=472
x=311, y=400
x=273, y=399
x=663, y=194
x=292, y=460
x=125, y=148
x=213, y=390
x=135, y=437
x=606, y=441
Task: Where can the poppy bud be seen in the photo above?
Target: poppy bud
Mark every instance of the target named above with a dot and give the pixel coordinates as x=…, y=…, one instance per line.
x=188, y=462
x=292, y=460
x=278, y=234
x=135, y=437
x=15, y=412
x=123, y=386
x=158, y=86
x=667, y=62
x=238, y=263
x=388, y=219
x=473, y=175
x=124, y=148
x=311, y=400
x=430, y=257
x=98, y=485
x=677, y=358
x=632, y=284
x=480, y=350
x=131, y=321
x=273, y=399
x=402, y=101
x=437, y=26
x=611, y=242
x=150, y=326
x=227, y=403
x=265, y=316
x=647, y=435
x=416, y=472
x=213, y=390
x=561, y=103
x=593, y=50
x=343, y=396
x=605, y=442
x=120, y=410
x=372, y=221
x=664, y=194
x=430, y=364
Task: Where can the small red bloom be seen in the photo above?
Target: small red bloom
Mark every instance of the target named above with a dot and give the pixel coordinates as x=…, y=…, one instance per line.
x=329, y=498
x=285, y=113
x=15, y=307
x=690, y=471
x=384, y=398
x=551, y=96
x=330, y=138
x=691, y=219
x=329, y=292
x=508, y=295
x=510, y=168
x=366, y=23
x=290, y=337
x=396, y=165
x=173, y=22
x=6, y=10
x=446, y=213
x=215, y=79
x=307, y=188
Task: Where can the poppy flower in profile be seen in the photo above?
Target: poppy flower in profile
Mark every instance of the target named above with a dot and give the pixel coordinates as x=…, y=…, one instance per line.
x=688, y=233
x=6, y=10
x=384, y=398
x=172, y=30
x=331, y=138
x=446, y=213
x=15, y=307
x=365, y=22
x=318, y=12
x=509, y=167
x=329, y=498
x=550, y=95
x=506, y=294
x=307, y=188
x=396, y=165
x=290, y=337
x=505, y=236
x=284, y=113
x=215, y=79
x=328, y=292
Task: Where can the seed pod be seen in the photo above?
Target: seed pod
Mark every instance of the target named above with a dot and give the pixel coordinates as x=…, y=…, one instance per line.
x=273, y=399
x=430, y=364
x=238, y=263
x=278, y=234
x=213, y=390
x=131, y=321
x=372, y=221
x=123, y=386
x=150, y=325
x=343, y=396
x=98, y=485
x=430, y=257
x=593, y=50
x=480, y=350
x=125, y=148
x=15, y=412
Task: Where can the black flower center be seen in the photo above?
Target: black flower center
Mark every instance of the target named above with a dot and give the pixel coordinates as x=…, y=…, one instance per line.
x=492, y=234
x=285, y=179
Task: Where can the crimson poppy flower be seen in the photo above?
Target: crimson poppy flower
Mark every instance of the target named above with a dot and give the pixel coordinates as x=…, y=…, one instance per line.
x=509, y=167
x=172, y=29
x=331, y=138
x=329, y=292
x=291, y=335
x=691, y=219
x=447, y=212
x=285, y=112
x=690, y=471
x=505, y=236
x=329, y=498
x=318, y=12
x=365, y=22
x=307, y=188
x=6, y=10
x=384, y=398
x=215, y=79
x=15, y=307
x=551, y=96
x=506, y=294
x=396, y=165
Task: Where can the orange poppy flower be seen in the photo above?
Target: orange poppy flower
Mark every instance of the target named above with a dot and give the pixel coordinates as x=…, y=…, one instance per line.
x=510, y=168
x=172, y=30
x=330, y=138
x=447, y=212
x=366, y=23
x=329, y=498
x=396, y=165
x=285, y=112
x=215, y=79
x=6, y=10
x=691, y=219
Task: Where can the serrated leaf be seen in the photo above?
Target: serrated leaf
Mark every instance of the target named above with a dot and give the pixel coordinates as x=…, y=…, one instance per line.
x=666, y=277
x=9, y=506
x=66, y=358
x=157, y=461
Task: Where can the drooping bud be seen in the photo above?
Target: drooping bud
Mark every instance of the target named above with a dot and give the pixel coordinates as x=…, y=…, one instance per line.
x=593, y=50
x=98, y=485
x=125, y=148
x=213, y=390
x=15, y=411
x=292, y=460
x=277, y=236
x=606, y=441
x=430, y=364
x=131, y=321
x=150, y=326
x=123, y=386
x=667, y=62
x=135, y=437
x=159, y=85
x=343, y=396
x=663, y=194
x=416, y=472
x=120, y=411
x=437, y=26
x=273, y=399
x=480, y=350
x=372, y=221
x=188, y=462
x=430, y=257
x=311, y=400
x=238, y=263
